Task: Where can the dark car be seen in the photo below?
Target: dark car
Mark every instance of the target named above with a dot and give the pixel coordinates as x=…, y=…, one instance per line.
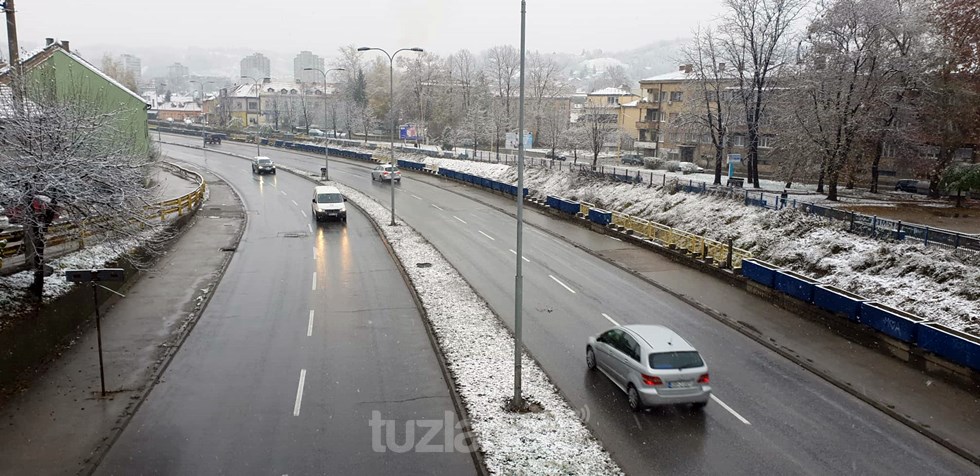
x=907, y=185
x=553, y=156
x=263, y=165
x=632, y=159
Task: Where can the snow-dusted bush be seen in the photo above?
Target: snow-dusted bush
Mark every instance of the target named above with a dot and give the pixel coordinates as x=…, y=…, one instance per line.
x=655, y=163
x=673, y=166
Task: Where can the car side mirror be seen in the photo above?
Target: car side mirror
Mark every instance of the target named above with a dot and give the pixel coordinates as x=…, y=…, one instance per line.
x=314, y=200
x=345, y=199
x=601, y=339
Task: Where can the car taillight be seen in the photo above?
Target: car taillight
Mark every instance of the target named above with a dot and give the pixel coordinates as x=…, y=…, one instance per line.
x=704, y=379
x=651, y=380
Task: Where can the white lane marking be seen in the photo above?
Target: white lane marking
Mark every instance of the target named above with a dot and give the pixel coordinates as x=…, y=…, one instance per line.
x=282, y=192
x=416, y=197
x=610, y=319
x=299, y=392
x=726, y=407
x=437, y=207
x=562, y=284
x=314, y=280
x=309, y=327
x=523, y=258
x=460, y=219
x=488, y=236
x=314, y=254
x=304, y=213
x=294, y=202
x=637, y=420
x=613, y=238
x=309, y=226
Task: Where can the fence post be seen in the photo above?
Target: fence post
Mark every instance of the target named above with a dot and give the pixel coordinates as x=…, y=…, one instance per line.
x=746, y=197
x=665, y=180
x=898, y=230
x=927, y=237
x=728, y=261
x=650, y=185
x=704, y=249
x=851, y=229
x=956, y=244
x=874, y=225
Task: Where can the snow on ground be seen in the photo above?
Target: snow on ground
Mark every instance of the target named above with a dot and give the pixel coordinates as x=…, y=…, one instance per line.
x=553, y=441
x=936, y=283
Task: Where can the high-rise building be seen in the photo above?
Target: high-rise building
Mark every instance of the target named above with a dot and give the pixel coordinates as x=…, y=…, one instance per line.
x=178, y=70
x=306, y=59
x=256, y=66
x=177, y=76
x=132, y=65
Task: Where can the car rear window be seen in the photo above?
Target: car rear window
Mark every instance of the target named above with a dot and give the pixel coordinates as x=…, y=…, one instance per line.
x=675, y=360
x=264, y=161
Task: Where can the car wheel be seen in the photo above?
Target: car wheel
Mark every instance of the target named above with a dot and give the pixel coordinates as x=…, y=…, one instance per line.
x=273, y=172
x=634, y=398
x=699, y=405
x=590, y=358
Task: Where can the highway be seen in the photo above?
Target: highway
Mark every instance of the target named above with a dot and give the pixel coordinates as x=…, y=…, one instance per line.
x=311, y=330
x=769, y=416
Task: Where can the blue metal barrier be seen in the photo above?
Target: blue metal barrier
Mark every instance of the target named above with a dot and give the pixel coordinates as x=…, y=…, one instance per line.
x=600, y=217
x=760, y=272
x=796, y=285
x=951, y=344
x=890, y=321
x=839, y=301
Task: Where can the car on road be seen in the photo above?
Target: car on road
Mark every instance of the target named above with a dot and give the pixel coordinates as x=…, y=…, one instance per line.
x=263, y=165
x=555, y=156
x=328, y=203
x=632, y=159
x=907, y=185
x=386, y=172
x=652, y=364
x=689, y=168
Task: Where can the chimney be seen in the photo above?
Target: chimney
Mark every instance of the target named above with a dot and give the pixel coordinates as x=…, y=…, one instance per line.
x=721, y=66
x=688, y=68
x=64, y=44
x=48, y=42
x=683, y=67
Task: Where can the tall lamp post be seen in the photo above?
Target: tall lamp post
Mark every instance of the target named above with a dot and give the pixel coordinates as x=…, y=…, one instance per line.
x=326, y=146
x=201, y=84
x=518, y=403
x=391, y=111
x=259, y=98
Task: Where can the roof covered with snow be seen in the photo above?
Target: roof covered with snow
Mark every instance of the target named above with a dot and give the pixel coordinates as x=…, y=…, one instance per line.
x=671, y=76
x=610, y=92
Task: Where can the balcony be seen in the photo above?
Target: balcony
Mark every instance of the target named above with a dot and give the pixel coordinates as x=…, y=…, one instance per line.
x=644, y=145
x=647, y=125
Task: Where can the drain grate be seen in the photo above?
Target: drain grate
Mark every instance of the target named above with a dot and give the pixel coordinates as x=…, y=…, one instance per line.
x=293, y=234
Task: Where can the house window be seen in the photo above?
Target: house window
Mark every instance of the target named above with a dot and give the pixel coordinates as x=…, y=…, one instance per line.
x=676, y=95
x=663, y=95
x=738, y=141
x=253, y=105
x=611, y=100
x=765, y=141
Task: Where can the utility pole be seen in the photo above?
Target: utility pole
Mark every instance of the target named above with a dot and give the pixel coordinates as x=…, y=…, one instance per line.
x=8, y=8
x=518, y=402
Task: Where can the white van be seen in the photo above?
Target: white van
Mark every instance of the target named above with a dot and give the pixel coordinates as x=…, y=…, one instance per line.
x=328, y=203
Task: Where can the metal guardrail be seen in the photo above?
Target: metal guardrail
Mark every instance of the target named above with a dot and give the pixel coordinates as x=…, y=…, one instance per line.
x=12, y=242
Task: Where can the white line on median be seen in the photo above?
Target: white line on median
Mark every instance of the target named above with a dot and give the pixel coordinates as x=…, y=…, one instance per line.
x=437, y=207
x=416, y=197
x=299, y=392
x=610, y=319
x=488, y=236
x=562, y=284
x=460, y=219
x=314, y=280
x=309, y=226
x=523, y=258
x=309, y=327
x=726, y=407
x=304, y=216
x=294, y=202
x=613, y=238
x=282, y=192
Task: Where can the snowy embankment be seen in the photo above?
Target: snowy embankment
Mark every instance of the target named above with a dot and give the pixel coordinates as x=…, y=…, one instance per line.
x=937, y=283
x=553, y=441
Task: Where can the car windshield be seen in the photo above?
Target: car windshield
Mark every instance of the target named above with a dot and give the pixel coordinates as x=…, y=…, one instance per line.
x=265, y=162
x=675, y=360
x=329, y=198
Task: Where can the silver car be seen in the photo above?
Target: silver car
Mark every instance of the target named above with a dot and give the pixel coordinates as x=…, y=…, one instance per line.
x=386, y=172
x=652, y=364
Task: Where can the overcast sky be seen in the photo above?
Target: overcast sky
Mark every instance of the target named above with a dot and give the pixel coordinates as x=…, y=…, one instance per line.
x=442, y=26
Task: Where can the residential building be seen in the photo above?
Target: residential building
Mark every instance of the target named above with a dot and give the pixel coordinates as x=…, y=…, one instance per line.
x=177, y=78
x=132, y=65
x=55, y=71
x=606, y=102
x=662, y=101
x=280, y=105
x=306, y=59
x=256, y=66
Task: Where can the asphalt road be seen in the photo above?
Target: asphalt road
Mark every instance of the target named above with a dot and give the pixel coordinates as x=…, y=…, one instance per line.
x=311, y=330
x=769, y=416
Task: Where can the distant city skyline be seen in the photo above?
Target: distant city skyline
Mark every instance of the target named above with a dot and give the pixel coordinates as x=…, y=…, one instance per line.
x=552, y=25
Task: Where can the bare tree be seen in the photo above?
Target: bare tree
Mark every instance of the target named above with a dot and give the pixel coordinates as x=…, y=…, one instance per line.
x=597, y=129
x=116, y=71
x=756, y=44
x=710, y=105
x=68, y=156
x=503, y=63
x=544, y=83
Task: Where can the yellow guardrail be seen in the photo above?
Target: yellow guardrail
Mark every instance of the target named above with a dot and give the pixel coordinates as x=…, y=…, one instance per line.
x=695, y=245
x=12, y=242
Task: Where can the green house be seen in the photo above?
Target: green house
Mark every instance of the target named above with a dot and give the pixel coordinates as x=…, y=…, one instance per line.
x=55, y=70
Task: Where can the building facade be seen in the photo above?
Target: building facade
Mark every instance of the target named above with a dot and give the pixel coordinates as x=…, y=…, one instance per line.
x=256, y=66
x=306, y=59
x=132, y=66
x=277, y=105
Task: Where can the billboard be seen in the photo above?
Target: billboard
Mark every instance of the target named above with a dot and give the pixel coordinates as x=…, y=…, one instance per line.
x=409, y=132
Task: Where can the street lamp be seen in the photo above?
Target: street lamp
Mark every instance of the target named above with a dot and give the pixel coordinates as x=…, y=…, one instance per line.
x=259, y=98
x=518, y=402
x=326, y=146
x=391, y=111
x=201, y=84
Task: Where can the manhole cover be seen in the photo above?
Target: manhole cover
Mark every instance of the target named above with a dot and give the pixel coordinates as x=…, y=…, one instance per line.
x=423, y=265
x=293, y=234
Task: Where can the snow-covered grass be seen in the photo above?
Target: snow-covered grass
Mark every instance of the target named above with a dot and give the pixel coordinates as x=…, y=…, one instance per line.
x=553, y=441
x=939, y=284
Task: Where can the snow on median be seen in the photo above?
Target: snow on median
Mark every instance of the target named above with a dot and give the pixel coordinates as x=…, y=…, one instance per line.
x=553, y=441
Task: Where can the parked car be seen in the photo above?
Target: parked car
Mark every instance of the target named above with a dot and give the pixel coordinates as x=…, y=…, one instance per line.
x=689, y=168
x=263, y=165
x=908, y=185
x=652, y=364
x=555, y=156
x=632, y=159
x=386, y=172
x=328, y=203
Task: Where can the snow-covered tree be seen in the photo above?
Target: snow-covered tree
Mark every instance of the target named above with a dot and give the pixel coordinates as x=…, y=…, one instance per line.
x=63, y=157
